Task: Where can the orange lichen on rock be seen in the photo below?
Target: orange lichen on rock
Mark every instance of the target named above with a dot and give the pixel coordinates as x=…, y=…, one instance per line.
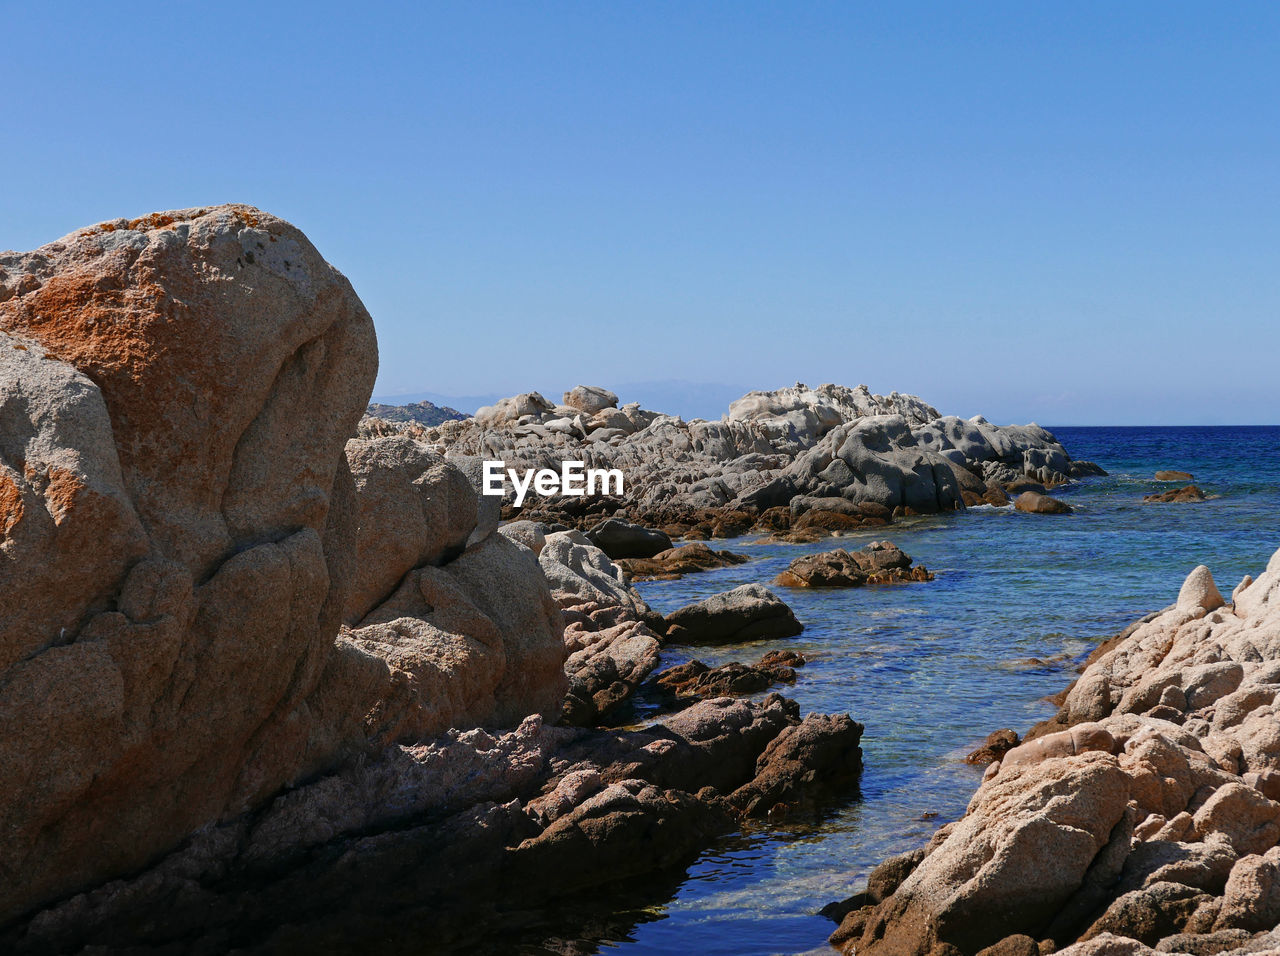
x=11, y=507
x=61, y=493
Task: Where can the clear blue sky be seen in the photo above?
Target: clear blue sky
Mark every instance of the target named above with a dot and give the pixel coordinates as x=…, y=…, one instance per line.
x=1064, y=212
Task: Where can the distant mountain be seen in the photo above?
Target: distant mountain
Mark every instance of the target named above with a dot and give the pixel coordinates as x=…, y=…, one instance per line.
x=424, y=413
x=467, y=404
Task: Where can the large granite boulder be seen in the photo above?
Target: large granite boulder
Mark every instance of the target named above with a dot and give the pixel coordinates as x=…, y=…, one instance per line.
x=182, y=535
x=1011, y=865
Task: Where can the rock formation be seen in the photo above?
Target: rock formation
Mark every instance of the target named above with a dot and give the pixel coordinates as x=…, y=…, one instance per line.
x=610, y=643
x=697, y=680
x=206, y=593
x=1032, y=502
x=880, y=562
x=420, y=413
x=1144, y=816
x=677, y=562
x=1176, y=495
x=457, y=829
x=750, y=612
x=828, y=449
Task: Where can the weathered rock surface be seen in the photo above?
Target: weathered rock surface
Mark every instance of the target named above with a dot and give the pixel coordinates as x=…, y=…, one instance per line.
x=880, y=562
x=1144, y=817
x=750, y=612
x=621, y=539
x=1038, y=504
x=677, y=562
x=185, y=530
x=1170, y=475
x=460, y=827
x=698, y=680
x=611, y=647
x=705, y=479
x=415, y=509
x=1177, y=495
x=997, y=744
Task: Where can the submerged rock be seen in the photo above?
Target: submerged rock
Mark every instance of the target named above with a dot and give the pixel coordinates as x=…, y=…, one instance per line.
x=1174, y=476
x=698, y=680
x=677, y=562
x=881, y=562
x=1189, y=493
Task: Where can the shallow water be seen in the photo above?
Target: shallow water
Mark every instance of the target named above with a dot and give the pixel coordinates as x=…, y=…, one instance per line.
x=931, y=668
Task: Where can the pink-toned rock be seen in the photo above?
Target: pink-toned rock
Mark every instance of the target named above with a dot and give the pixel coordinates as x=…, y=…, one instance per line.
x=1248, y=820
x=164, y=365
x=1252, y=897
x=1199, y=591
x=181, y=533
x=415, y=508
x=1010, y=864
x=1033, y=502
x=1077, y=740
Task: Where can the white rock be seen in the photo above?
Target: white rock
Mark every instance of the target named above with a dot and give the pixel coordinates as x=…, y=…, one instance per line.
x=1198, y=591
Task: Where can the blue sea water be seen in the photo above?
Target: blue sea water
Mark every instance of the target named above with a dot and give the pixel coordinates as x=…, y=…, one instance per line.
x=931, y=668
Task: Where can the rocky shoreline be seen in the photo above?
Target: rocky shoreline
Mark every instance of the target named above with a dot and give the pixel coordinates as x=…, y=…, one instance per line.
x=1142, y=818
x=266, y=659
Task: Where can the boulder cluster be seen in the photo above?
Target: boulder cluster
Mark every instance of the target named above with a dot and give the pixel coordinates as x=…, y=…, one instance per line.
x=1143, y=818
x=245, y=656
x=799, y=462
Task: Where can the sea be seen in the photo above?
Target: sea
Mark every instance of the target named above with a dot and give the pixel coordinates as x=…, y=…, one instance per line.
x=931, y=668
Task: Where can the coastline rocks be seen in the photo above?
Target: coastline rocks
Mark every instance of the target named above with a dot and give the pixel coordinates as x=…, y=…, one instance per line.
x=695, y=679
x=589, y=399
x=1039, y=504
x=512, y=410
x=208, y=593
x=451, y=824
x=610, y=646
x=1174, y=476
x=750, y=612
x=880, y=562
x=605, y=667
x=1198, y=592
x=474, y=642
x=679, y=561
x=997, y=744
x=704, y=479
x=1179, y=715
x=168, y=533
x=621, y=539
x=415, y=508
x=1177, y=495
x=976, y=887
